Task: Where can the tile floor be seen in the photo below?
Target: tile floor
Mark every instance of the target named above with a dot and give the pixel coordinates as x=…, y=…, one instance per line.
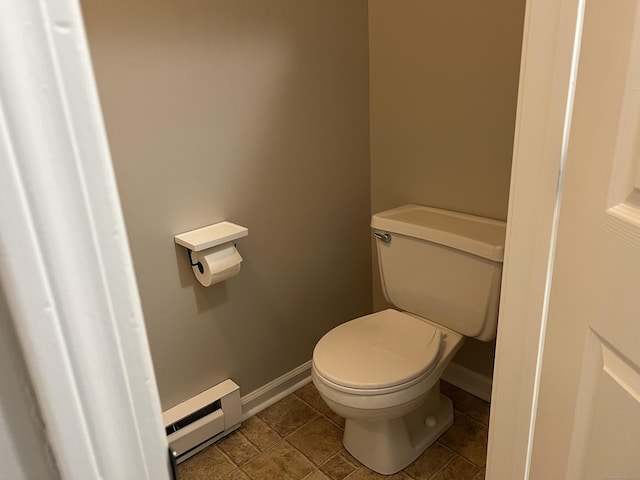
x=299, y=438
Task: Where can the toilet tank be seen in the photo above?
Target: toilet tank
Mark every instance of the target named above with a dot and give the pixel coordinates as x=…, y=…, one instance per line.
x=443, y=266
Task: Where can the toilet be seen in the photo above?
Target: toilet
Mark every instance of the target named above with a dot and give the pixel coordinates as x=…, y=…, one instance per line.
x=381, y=372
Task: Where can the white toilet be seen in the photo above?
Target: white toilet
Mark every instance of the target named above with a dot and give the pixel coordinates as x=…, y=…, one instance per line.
x=381, y=372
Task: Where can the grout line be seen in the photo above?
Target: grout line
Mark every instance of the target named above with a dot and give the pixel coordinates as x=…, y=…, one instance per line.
x=443, y=466
x=257, y=418
x=351, y=474
x=334, y=422
x=478, y=475
x=319, y=412
x=239, y=465
x=224, y=455
x=266, y=450
x=348, y=458
x=302, y=426
x=446, y=448
x=260, y=451
x=251, y=443
x=254, y=446
x=308, y=404
x=231, y=473
x=317, y=467
x=284, y=438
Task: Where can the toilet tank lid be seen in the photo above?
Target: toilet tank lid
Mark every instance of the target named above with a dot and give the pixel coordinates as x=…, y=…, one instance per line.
x=479, y=236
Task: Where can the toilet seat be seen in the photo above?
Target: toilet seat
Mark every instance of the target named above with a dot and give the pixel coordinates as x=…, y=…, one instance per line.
x=379, y=353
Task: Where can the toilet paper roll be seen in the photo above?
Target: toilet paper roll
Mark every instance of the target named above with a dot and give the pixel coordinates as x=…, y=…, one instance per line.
x=217, y=264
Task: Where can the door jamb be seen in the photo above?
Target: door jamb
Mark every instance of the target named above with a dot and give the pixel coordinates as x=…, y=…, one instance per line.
x=64, y=258
x=543, y=118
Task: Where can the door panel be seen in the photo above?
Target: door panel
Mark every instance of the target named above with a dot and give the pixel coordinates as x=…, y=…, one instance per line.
x=606, y=439
x=588, y=418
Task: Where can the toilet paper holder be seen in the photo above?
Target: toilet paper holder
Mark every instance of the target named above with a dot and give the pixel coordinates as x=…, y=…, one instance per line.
x=213, y=245
x=197, y=264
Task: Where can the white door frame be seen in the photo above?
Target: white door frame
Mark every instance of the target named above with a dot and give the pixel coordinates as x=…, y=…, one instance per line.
x=66, y=266
x=64, y=257
x=551, y=45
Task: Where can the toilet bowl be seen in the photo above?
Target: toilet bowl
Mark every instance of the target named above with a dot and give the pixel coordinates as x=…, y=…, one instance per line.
x=381, y=372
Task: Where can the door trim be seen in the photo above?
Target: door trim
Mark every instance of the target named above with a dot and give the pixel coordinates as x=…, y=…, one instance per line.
x=543, y=118
x=64, y=257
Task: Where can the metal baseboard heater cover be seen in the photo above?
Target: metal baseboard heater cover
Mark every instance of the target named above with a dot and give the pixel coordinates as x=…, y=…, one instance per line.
x=198, y=422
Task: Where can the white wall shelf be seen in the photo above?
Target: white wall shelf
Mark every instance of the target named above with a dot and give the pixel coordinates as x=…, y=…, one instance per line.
x=211, y=236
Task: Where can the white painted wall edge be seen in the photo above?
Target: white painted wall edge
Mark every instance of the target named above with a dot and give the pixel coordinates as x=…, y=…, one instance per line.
x=542, y=100
x=64, y=256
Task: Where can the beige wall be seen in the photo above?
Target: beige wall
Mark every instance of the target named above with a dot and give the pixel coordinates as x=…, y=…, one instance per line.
x=443, y=85
x=253, y=112
x=258, y=113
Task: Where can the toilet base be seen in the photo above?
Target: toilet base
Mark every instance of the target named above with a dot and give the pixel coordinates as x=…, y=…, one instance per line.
x=388, y=446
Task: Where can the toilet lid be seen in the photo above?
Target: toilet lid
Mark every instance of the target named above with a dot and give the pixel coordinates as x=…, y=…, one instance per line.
x=381, y=350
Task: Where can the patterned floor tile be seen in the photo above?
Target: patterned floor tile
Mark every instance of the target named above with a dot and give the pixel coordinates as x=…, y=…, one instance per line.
x=288, y=415
x=209, y=464
x=467, y=437
x=363, y=473
x=457, y=469
x=280, y=462
x=317, y=475
x=399, y=476
x=429, y=462
x=338, y=467
x=313, y=447
x=309, y=393
x=238, y=448
x=319, y=440
x=235, y=475
x=259, y=433
x=480, y=411
x=480, y=475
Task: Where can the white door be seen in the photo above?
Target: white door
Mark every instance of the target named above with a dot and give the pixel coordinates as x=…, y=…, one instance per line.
x=588, y=417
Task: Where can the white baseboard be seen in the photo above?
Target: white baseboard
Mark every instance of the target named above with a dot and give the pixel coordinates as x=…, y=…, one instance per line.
x=468, y=380
x=276, y=390
x=265, y=396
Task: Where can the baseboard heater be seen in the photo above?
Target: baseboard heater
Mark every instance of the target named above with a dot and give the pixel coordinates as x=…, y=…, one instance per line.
x=203, y=419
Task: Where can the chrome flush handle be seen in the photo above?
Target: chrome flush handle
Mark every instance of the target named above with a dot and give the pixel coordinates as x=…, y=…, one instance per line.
x=383, y=237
